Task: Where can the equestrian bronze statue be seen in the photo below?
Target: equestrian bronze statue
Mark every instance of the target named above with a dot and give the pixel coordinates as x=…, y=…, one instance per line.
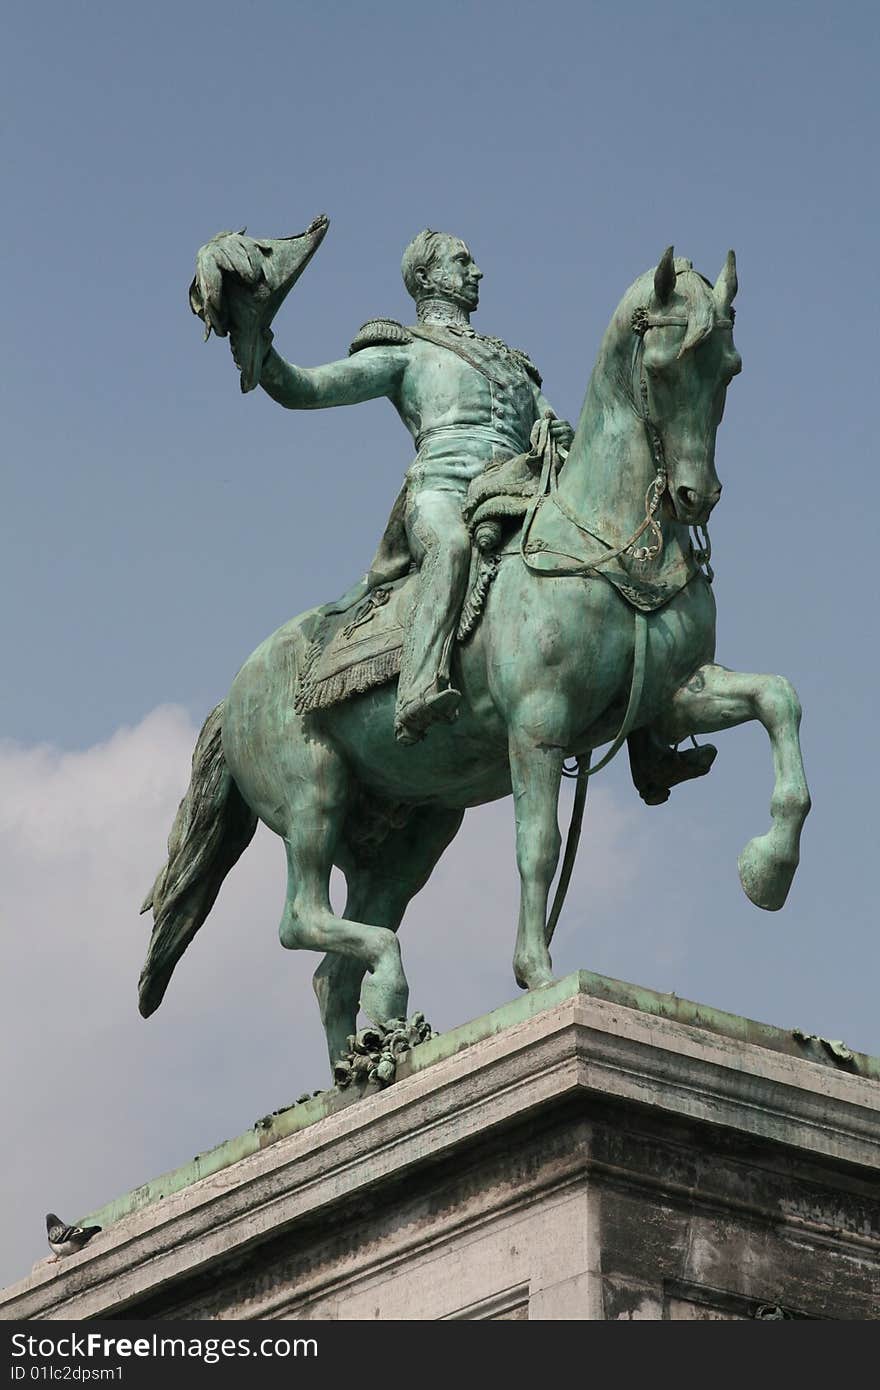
x=539, y=592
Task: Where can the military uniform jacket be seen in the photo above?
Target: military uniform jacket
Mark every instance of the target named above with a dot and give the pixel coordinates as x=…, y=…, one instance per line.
x=467, y=400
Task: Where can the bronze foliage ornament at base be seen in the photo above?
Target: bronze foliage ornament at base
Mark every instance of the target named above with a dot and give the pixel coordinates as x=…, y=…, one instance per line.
x=374, y=1052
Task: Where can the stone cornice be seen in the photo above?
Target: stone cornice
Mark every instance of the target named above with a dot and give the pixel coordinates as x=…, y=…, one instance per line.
x=461, y=1088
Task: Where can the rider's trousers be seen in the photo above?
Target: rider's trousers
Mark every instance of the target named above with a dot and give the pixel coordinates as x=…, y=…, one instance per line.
x=441, y=548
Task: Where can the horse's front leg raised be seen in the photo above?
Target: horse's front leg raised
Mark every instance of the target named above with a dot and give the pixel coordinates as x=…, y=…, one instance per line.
x=714, y=699
x=535, y=774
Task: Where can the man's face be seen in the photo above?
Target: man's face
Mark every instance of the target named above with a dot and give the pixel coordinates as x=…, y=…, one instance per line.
x=454, y=275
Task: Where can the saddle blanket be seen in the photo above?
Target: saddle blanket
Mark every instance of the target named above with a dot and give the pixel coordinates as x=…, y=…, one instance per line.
x=355, y=650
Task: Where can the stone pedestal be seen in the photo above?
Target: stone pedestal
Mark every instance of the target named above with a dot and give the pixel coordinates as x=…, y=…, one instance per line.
x=590, y=1151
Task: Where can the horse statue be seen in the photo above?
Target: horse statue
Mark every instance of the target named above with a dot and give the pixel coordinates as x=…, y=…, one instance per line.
x=586, y=636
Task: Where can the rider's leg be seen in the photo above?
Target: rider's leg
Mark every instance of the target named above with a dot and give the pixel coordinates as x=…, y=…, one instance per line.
x=441, y=548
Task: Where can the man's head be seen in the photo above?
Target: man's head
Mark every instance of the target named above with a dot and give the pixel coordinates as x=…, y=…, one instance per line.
x=436, y=265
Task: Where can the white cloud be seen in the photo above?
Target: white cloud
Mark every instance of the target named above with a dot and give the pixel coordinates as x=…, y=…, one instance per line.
x=101, y=1100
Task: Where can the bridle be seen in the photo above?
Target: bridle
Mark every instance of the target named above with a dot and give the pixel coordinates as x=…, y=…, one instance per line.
x=544, y=447
x=641, y=321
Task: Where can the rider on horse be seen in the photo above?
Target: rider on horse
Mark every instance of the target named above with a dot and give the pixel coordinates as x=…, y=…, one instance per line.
x=468, y=401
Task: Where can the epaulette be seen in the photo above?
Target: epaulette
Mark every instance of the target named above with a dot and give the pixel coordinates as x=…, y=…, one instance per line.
x=528, y=366
x=380, y=333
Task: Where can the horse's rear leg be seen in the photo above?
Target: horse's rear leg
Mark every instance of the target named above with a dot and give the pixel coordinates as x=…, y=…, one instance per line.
x=379, y=892
x=316, y=813
x=714, y=699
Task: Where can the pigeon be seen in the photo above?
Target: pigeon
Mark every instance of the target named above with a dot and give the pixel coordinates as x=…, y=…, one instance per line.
x=240, y=284
x=67, y=1240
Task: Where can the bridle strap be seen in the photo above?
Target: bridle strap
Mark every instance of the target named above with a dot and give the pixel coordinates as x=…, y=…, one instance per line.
x=642, y=319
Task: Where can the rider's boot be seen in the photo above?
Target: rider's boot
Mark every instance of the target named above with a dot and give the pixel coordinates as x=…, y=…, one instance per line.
x=656, y=767
x=437, y=705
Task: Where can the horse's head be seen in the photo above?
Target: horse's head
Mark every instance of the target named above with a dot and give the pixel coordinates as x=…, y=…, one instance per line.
x=683, y=364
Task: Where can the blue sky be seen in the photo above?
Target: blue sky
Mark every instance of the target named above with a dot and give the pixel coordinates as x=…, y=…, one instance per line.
x=157, y=524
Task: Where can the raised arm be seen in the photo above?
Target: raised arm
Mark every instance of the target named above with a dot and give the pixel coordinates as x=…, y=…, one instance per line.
x=372, y=372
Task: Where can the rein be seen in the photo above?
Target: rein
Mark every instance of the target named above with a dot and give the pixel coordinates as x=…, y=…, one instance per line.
x=549, y=487
x=585, y=772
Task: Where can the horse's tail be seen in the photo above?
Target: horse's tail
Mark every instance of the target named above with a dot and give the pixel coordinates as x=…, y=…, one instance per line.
x=212, y=828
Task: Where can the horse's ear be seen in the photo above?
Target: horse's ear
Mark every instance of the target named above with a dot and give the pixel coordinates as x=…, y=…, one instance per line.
x=726, y=284
x=664, y=277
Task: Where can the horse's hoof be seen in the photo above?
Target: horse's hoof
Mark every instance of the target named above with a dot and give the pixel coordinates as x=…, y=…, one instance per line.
x=385, y=993
x=533, y=976
x=766, y=876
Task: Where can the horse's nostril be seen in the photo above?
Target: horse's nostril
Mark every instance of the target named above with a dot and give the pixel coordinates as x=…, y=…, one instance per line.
x=688, y=496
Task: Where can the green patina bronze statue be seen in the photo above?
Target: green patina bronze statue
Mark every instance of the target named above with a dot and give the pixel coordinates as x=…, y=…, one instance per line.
x=539, y=591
